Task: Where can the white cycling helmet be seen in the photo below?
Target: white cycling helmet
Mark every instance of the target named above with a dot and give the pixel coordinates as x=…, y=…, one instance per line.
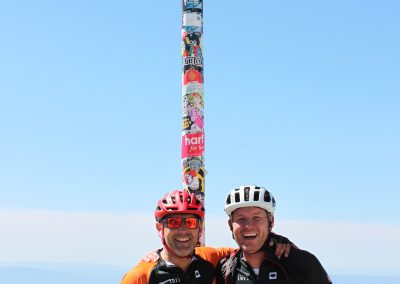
x=249, y=196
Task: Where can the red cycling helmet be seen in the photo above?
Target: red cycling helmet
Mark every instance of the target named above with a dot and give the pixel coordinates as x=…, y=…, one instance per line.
x=179, y=202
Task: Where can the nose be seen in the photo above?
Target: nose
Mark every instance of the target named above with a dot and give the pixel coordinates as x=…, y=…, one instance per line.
x=182, y=228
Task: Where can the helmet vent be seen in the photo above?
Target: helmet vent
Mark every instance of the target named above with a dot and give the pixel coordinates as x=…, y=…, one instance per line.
x=267, y=197
x=237, y=197
x=228, y=199
x=256, y=195
x=246, y=193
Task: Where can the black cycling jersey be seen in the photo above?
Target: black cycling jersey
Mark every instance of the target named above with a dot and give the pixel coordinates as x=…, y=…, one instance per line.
x=300, y=267
x=200, y=271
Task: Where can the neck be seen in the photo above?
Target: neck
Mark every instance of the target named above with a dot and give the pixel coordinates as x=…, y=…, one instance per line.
x=254, y=259
x=181, y=262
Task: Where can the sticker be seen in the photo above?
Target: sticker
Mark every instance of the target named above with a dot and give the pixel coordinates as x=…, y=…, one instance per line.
x=191, y=127
x=196, y=101
x=197, y=121
x=192, y=5
x=192, y=76
x=186, y=123
x=191, y=44
x=192, y=61
x=194, y=180
x=192, y=145
x=193, y=113
x=192, y=22
x=186, y=106
x=193, y=163
x=188, y=67
x=193, y=88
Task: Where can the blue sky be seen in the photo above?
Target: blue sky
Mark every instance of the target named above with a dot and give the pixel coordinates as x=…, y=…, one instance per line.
x=300, y=96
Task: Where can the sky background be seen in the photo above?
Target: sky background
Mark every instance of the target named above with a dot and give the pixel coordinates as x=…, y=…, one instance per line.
x=302, y=97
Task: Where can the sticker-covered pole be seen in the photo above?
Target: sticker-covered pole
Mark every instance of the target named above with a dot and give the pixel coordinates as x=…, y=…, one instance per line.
x=193, y=139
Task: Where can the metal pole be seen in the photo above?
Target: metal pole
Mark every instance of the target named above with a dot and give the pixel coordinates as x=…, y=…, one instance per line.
x=193, y=139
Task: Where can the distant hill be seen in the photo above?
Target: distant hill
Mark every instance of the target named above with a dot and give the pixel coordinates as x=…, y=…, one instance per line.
x=33, y=275
x=361, y=279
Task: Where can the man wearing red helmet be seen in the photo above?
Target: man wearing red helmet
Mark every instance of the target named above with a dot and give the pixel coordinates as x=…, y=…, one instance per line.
x=179, y=222
x=179, y=216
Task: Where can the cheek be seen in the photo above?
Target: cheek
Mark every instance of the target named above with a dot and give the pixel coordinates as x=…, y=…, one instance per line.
x=235, y=228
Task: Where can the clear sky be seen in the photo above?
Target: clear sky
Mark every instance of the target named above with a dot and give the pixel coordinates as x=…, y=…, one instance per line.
x=302, y=97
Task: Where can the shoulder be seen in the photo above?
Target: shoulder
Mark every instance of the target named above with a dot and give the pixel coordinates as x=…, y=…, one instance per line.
x=213, y=255
x=303, y=257
x=302, y=262
x=139, y=274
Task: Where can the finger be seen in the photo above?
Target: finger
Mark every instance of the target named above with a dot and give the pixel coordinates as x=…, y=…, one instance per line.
x=272, y=242
x=287, y=250
x=280, y=249
x=150, y=257
x=145, y=259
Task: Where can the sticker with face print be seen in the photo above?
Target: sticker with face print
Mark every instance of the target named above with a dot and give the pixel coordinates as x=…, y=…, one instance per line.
x=197, y=121
x=193, y=180
x=192, y=163
x=196, y=101
x=193, y=113
x=191, y=44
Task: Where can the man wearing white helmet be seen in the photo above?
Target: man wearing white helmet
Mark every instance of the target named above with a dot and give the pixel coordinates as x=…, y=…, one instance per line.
x=251, y=217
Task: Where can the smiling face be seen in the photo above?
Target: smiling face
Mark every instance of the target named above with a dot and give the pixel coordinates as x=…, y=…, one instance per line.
x=182, y=240
x=250, y=227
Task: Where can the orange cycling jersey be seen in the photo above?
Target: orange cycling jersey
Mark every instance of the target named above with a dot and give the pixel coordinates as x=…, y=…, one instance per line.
x=201, y=270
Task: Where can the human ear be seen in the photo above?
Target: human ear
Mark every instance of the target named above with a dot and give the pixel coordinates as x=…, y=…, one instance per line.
x=230, y=224
x=200, y=229
x=271, y=221
x=159, y=226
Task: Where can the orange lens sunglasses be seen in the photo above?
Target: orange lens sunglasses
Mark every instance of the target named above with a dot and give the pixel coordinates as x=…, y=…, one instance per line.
x=176, y=222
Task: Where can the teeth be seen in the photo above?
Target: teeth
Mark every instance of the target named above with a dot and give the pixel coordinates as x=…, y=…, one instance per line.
x=249, y=235
x=182, y=239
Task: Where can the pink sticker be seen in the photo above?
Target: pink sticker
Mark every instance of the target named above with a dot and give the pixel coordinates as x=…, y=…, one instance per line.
x=192, y=145
x=196, y=118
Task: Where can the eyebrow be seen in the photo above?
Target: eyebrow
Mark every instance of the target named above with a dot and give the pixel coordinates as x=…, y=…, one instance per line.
x=258, y=214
